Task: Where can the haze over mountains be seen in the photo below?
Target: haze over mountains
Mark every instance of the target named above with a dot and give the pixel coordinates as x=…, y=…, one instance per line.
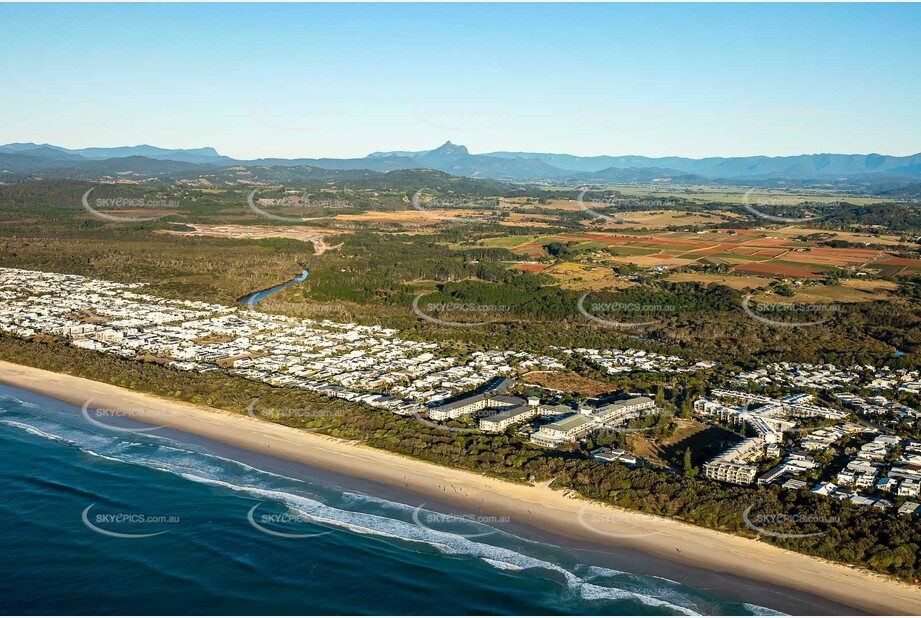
x=27, y=160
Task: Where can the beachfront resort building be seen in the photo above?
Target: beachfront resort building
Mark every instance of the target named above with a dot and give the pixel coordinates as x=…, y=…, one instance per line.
x=795, y=464
x=767, y=420
x=468, y=406
x=497, y=423
x=569, y=429
x=579, y=425
x=492, y=398
x=731, y=466
x=621, y=411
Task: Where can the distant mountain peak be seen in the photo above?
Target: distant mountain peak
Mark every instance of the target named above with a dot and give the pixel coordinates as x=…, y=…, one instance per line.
x=455, y=159
x=449, y=148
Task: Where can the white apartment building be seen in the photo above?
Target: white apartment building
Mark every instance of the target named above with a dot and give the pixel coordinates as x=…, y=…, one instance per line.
x=731, y=466
x=498, y=423
x=565, y=430
x=730, y=472
x=620, y=411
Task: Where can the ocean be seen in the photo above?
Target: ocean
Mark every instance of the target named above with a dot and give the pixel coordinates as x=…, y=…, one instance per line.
x=104, y=520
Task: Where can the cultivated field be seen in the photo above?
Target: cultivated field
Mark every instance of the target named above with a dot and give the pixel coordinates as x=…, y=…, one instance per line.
x=759, y=252
x=849, y=290
x=734, y=195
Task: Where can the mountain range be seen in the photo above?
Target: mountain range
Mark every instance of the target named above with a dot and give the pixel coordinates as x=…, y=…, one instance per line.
x=26, y=160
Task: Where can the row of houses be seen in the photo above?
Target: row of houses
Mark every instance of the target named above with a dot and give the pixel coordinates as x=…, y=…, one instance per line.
x=822, y=438
x=794, y=405
x=830, y=377
x=630, y=360
x=831, y=490
x=878, y=406
x=363, y=363
x=867, y=470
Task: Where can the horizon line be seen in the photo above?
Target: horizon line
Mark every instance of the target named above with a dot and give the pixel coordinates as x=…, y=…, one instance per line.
x=486, y=153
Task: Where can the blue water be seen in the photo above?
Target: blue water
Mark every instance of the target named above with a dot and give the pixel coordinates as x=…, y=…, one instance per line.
x=255, y=297
x=209, y=558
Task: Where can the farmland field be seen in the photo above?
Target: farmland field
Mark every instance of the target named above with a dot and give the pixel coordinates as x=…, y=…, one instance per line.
x=771, y=253
x=847, y=292
x=732, y=195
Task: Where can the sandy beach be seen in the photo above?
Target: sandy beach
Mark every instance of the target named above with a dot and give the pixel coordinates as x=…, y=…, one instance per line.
x=540, y=507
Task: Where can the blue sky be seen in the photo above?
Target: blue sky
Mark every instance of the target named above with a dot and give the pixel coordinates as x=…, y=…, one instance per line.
x=344, y=80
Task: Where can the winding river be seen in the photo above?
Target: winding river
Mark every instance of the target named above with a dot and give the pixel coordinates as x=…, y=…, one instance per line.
x=255, y=297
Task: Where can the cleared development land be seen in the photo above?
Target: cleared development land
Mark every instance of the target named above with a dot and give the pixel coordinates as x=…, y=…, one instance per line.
x=314, y=235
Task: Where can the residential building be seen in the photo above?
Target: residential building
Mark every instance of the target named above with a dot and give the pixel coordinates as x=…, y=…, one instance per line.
x=565, y=430
x=498, y=423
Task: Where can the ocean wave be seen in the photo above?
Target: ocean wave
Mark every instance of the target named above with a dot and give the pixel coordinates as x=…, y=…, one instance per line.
x=368, y=523
x=35, y=431
x=316, y=511
x=658, y=587
x=236, y=476
x=758, y=610
x=502, y=566
x=7, y=398
x=226, y=460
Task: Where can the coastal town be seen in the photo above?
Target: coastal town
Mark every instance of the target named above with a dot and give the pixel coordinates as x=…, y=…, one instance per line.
x=789, y=440
x=461, y=309
x=880, y=466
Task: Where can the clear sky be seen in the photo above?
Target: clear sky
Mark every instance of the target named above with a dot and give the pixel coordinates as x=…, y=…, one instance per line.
x=345, y=80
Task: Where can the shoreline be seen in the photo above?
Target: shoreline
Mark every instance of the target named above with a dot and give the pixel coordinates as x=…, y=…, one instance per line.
x=554, y=512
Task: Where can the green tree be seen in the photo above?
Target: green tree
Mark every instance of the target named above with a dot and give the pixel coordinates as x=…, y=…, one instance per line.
x=689, y=463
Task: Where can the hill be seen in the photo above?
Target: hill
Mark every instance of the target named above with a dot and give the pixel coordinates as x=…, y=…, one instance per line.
x=882, y=172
